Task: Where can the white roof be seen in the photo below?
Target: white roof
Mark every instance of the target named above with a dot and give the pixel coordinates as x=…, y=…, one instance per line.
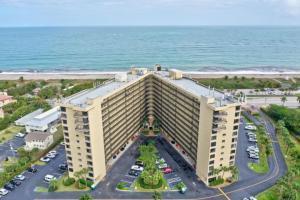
x=22, y=121
x=45, y=118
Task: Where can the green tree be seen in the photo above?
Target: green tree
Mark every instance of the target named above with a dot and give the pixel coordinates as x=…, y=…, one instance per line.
x=156, y=195
x=283, y=100
x=86, y=196
x=53, y=186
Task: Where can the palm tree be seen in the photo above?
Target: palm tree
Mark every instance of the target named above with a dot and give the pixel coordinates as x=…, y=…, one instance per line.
x=84, y=172
x=283, y=100
x=234, y=171
x=86, y=197
x=78, y=175
x=53, y=185
x=156, y=196
x=224, y=169
x=298, y=98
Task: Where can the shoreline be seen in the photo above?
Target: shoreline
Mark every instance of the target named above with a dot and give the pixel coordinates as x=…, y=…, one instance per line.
x=110, y=74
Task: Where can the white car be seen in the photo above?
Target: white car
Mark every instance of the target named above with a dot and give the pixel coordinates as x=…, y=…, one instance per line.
x=45, y=159
x=250, y=127
x=20, y=177
x=52, y=152
x=49, y=178
x=20, y=135
x=253, y=150
x=138, y=168
x=163, y=166
x=51, y=155
x=3, y=191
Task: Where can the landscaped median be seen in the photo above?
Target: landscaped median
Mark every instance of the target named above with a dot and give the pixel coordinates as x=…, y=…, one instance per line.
x=265, y=150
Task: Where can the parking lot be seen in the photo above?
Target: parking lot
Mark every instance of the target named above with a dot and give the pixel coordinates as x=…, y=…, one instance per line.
x=7, y=148
x=33, y=180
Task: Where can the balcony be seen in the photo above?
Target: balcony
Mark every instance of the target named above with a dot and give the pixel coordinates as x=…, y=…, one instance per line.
x=219, y=121
x=80, y=115
x=81, y=128
x=219, y=128
x=81, y=121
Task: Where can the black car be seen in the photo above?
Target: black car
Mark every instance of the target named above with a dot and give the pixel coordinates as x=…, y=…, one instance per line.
x=139, y=163
x=15, y=182
x=63, y=166
x=32, y=169
x=9, y=186
x=134, y=172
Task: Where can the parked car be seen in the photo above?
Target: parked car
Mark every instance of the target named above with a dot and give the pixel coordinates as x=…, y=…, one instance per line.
x=3, y=191
x=32, y=169
x=15, y=182
x=51, y=155
x=52, y=152
x=134, y=172
x=49, y=178
x=63, y=166
x=250, y=127
x=139, y=163
x=167, y=170
x=20, y=135
x=252, y=198
x=161, y=166
x=9, y=186
x=45, y=159
x=20, y=177
x=138, y=168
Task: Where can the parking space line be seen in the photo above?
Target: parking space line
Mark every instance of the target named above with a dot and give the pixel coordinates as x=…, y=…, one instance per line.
x=225, y=195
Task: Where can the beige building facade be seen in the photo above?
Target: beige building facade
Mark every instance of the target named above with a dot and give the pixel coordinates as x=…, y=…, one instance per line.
x=102, y=122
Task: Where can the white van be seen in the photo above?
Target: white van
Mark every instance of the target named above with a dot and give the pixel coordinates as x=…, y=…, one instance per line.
x=49, y=178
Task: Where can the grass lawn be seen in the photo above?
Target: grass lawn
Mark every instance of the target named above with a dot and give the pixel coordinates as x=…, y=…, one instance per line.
x=71, y=188
x=164, y=187
x=40, y=163
x=41, y=189
x=239, y=83
x=9, y=133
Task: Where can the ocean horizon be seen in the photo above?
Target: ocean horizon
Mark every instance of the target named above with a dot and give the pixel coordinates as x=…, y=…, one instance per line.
x=117, y=48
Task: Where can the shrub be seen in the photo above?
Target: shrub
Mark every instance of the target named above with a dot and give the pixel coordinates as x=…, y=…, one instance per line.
x=86, y=182
x=146, y=186
x=53, y=185
x=216, y=182
x=79, y=185
x=121, y=185
x=68, y=181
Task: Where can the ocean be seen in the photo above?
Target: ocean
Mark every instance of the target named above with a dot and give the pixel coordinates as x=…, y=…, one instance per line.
x=202, y=48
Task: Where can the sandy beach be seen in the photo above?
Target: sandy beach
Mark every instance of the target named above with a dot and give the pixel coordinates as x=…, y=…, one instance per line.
x=105, y=75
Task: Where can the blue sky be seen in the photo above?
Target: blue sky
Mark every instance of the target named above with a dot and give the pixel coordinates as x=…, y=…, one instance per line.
x=148, y=12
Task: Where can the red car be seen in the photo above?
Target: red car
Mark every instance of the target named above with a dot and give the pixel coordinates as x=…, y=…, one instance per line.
x=168, y=170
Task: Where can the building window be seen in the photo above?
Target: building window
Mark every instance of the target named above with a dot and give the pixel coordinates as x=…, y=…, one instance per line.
x=69, y=158
x=213, y=144
x=70, y=169
x=238, y=108
x=233, y=140
x=214, y=137
x=65, y=128
x=222, y=147
x=224, y=134
x=91, y=174
x=88, y=150
x=89, y=157
x=233, y=146
x=235, y=127
x=89, y=163
x=63, y=109
x=87, y=138
x=236, y=121
x=231, y=158
x=222, y=153
x=212, y=150
x=223, y=141
x=66, y=134
x=235, y=133
x=212, y=156
x=232, y=151
x=88, y=144
x=221, y=159
x=211, y=162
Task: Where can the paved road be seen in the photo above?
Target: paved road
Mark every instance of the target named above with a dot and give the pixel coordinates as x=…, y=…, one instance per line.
x=260, y=101
x=257, y=183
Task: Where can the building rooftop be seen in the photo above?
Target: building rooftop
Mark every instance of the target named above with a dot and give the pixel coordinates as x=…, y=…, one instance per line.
x=197, y=89
x=22, y=121
x=36, y=136
x=5, y=97
x=44, y=118
x=80, y=99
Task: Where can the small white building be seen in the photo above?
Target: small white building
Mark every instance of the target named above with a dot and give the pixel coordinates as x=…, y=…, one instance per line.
x=46, y=121
x=23, y=120
x=37, y=139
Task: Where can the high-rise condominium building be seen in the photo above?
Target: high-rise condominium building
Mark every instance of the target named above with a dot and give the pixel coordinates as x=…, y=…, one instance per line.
x=201, y=123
